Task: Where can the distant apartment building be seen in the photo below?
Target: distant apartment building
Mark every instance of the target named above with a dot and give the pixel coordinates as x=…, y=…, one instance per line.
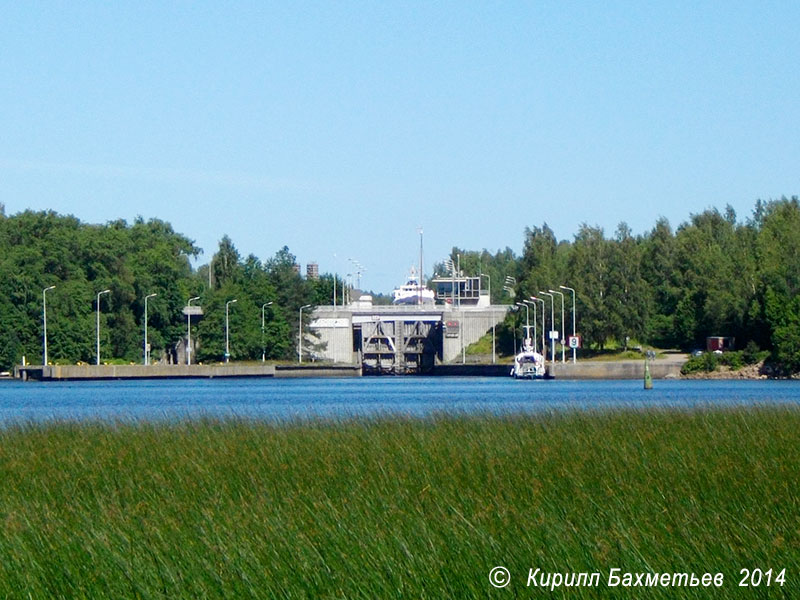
x=312, y=271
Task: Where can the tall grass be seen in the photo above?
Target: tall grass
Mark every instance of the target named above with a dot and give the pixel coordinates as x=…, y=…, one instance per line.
x=396, y=508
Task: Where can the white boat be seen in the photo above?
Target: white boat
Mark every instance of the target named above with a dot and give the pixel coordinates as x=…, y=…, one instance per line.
x=412, y=292
x=528, y=364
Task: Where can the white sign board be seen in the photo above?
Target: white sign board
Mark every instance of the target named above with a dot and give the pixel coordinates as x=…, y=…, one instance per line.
x=554, y=335
x=193, y=310
x=329, y=322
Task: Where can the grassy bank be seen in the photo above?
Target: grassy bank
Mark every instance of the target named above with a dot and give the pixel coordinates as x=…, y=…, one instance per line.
x=397, y=508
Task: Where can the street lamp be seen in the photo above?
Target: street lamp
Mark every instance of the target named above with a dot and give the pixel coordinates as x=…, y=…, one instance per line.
x=44, y=323
x=563, y=287
x=300, y=334
x=451, y=266
x=146, y=345
x=563, y=360
x=509, y=285
x=263, y=347
x=359, y=270
x=98, y=322
x=527, y=313
x=533, y=304
x=189, y=330
x=527, y=322
x=544, y=348
x=494, y=354
x=334, y=279
x=458, y=258
x=552, y=324
x=227, y=331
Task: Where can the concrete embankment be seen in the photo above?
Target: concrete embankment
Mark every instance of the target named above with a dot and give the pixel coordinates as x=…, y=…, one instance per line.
x=619, y=369
x=625, y=369
x=99, y=372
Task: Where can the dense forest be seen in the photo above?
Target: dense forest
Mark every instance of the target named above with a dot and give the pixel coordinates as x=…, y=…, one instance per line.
x=42, y=249
x=712, y=275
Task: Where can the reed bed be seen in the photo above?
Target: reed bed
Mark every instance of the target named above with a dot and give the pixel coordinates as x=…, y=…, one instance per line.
x=398, y=507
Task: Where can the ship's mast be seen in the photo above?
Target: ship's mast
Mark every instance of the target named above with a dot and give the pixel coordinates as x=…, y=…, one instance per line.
x=419, y=281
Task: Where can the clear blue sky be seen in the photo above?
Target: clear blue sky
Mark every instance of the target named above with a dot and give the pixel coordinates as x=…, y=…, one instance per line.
x=340, y=127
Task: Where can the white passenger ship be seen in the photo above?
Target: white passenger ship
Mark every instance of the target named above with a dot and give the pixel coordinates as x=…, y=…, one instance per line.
x=413, y=292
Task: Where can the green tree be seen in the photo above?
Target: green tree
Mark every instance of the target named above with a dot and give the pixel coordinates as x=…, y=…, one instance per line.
x=778, y=248
x=588, y=268
x=627, y=293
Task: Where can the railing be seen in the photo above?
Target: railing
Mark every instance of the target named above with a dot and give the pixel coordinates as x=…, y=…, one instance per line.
x=410, y=309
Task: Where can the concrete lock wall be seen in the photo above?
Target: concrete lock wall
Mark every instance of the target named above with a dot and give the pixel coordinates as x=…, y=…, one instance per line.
x=333, y=330
x=473, y=325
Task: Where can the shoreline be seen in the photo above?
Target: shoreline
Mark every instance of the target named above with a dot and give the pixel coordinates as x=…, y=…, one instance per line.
x=664, y=368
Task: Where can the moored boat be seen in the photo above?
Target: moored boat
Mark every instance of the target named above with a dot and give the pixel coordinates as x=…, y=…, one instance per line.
x=528, y=364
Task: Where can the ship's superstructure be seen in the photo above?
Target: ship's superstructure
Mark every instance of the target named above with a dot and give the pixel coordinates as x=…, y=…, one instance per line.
x=413, y=292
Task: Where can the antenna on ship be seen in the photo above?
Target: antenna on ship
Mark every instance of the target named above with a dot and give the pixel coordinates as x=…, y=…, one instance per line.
x=419, y=281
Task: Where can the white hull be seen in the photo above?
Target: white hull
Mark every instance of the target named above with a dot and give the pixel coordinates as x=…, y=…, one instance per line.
x=414, y=299
x=412, y=292
x=528, y=365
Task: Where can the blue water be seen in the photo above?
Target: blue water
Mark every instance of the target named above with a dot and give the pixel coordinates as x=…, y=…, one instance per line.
x=282, y=399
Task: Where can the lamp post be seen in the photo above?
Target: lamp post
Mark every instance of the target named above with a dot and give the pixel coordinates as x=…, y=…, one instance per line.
x=552, y=324
x=263, y=347
x=563, y=360
x=450, y=265
x=98, y=322
x=544, y=348
x=563, y=287
x=189, y=330
x=359, y=269
x=146, y=345
x=533, y=304
x=44, y=323
x=494, y=354
x=514, y=334
x=527, y=322
x=227, y=331
x=300, y=334
x=458, y=257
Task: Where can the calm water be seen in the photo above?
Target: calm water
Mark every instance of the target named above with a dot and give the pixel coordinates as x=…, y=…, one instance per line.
x=279, y=399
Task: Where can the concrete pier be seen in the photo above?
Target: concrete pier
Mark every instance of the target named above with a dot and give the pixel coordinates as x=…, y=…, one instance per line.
x=623, y=369
x=101, y=372
x=666, y=368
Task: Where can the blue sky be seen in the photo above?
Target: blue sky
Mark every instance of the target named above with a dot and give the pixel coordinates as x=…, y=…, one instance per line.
x=338, y=128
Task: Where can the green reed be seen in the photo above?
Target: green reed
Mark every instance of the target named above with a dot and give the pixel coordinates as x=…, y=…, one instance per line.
x=397, y=507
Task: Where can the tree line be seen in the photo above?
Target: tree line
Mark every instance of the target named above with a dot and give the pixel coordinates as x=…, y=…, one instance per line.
x=713, y=275
x=42, y=249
